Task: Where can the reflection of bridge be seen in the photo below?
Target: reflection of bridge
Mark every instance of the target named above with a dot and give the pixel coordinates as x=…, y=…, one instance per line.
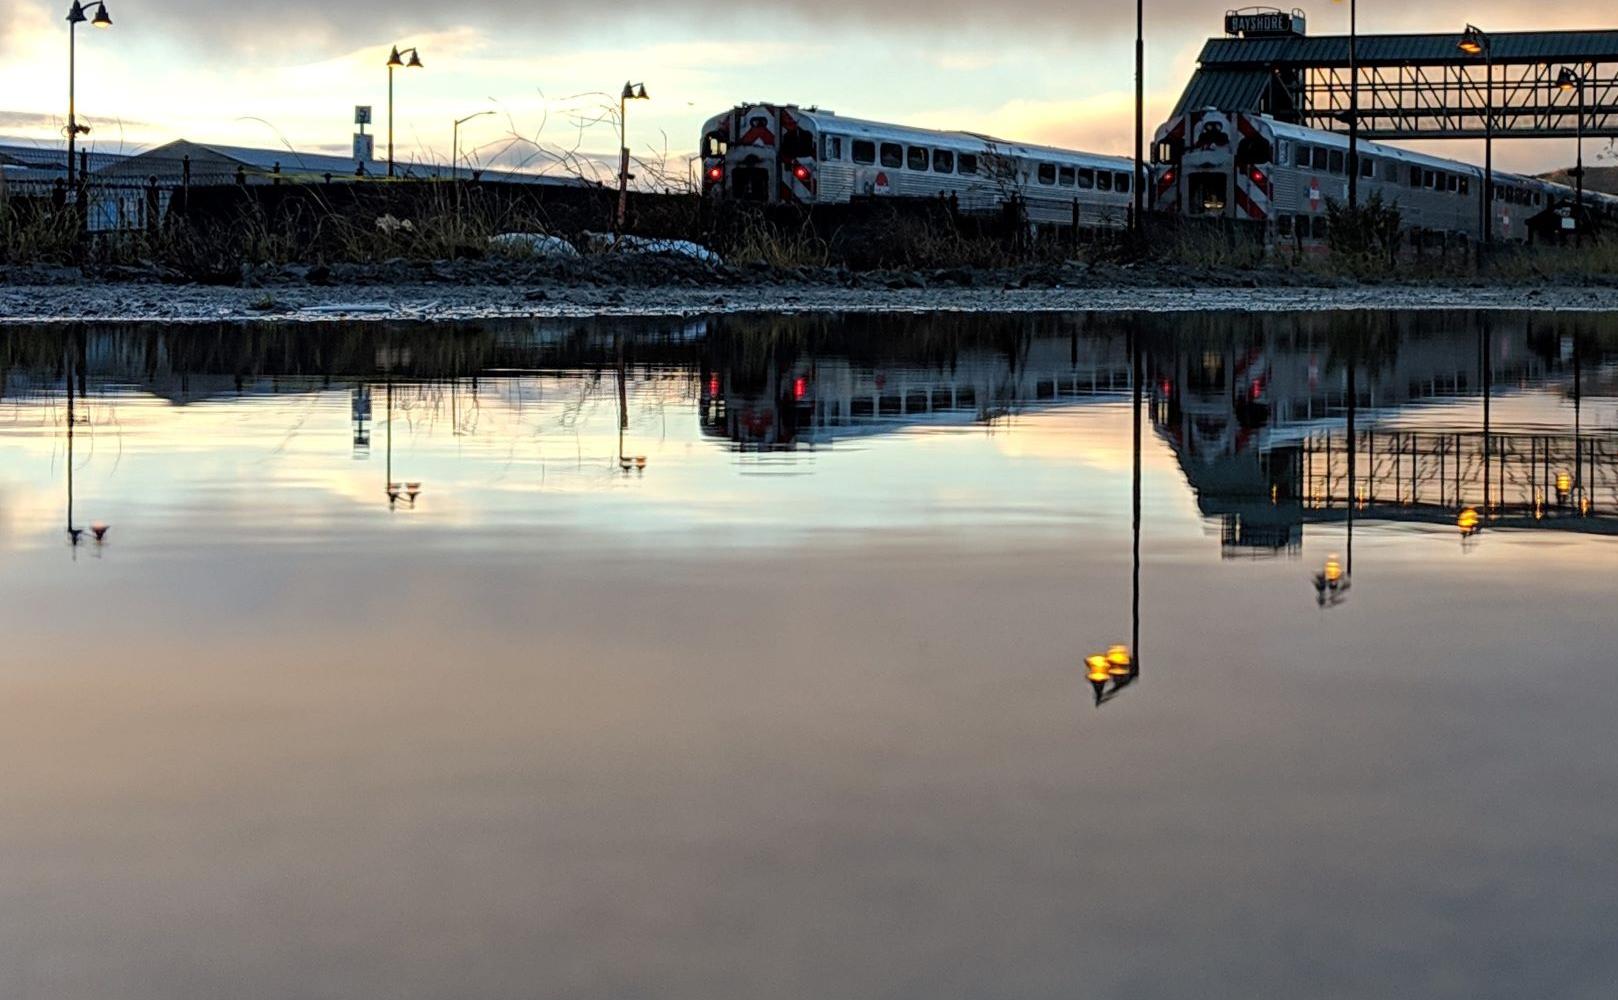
x=1513, y=479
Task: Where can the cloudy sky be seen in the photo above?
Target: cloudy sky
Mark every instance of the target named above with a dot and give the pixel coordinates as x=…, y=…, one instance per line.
x=274, y=72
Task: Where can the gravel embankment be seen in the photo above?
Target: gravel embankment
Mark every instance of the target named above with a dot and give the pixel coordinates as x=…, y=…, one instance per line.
x=657, y=285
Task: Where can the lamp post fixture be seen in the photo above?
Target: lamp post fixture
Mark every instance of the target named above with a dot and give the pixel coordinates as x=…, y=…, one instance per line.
x=1474, y=41
x=631, y=92
x=455, y=142
x=395, y=60
x=1568, y=80
x=75, y=16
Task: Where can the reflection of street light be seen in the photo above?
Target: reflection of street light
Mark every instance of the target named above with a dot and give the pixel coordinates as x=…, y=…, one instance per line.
x=409, y=490
x=1468, y=521
x=1331, y=585
x=395, y=60
x=75, y=17
x=1564, y=487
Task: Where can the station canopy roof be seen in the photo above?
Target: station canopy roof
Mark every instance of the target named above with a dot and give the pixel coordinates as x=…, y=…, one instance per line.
x=1301, y=51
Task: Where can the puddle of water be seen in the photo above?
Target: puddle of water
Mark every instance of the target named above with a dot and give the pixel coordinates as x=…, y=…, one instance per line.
x=746, y=657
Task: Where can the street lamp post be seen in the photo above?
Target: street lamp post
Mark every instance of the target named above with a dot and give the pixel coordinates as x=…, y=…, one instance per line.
x=75, y=16
x=455, y=143
x=631, y=92
x=1568, y=80
x=1353, y=106
x=1138, y=219
x=1474, y=41
x=395, y=60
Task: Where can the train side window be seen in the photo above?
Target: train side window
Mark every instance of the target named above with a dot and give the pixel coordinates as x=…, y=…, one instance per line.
x=1390, y=172
x=834, y=148
x=1429, y=179
x=1336, y=161
x=1047, y=173
x=1300, y=155
x=1103, y=180
x=798, y=144
x=892, y=155
x=967, y=163
x=1367, y=168
x=864, y=151
x=1120, y=183
x=1415, y=177
x=1064, y=176
x=1454, y=182
x=918, y=158
x=1466, y=185
x=943, y=161
x=1087, y=178
x=1318, y=157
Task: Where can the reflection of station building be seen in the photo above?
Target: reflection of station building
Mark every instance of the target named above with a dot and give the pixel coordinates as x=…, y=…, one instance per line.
x=813, y=401
x=1261, y=433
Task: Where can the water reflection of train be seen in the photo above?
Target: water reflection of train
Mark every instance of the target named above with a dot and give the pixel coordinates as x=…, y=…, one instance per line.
x=1259, y=426
x=812, y=400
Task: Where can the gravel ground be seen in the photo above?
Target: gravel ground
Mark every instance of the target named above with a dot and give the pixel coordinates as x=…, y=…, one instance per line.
x=462, y=290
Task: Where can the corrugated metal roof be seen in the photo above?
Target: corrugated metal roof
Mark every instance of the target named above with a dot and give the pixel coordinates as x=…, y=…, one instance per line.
x=1398, y=50
x=1223, y=88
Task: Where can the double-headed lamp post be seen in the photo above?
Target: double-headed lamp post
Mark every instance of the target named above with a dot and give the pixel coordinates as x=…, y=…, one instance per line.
x=1568, y=80
x=455, y=142
x=395, y=60
x=76, y=16
x=631, y=92
x=1474, y=41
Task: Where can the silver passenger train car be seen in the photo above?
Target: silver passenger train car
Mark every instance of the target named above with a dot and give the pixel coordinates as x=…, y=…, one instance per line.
x=780, y=153
x=1214, y=164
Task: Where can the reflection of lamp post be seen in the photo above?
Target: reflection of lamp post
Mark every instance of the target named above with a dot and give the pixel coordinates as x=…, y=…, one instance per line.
x=631, y=92
x=1474, y=42
x=1120, y=664
x=75, y=16
x=395, y=490
x=74, y=369
x=638, y=463
x=395, y=60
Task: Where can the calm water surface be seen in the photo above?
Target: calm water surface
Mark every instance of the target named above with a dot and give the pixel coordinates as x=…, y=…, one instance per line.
x=746, y=658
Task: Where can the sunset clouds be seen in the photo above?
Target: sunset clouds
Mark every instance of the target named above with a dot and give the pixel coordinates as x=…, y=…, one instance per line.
x=267, y=73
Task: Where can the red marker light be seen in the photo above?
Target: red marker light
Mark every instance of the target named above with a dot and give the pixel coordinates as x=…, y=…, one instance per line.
x=801, y=172
x=716, y=174
x=1168, y=176
x=713, y=385
x=1257, y=175
x=800, y=387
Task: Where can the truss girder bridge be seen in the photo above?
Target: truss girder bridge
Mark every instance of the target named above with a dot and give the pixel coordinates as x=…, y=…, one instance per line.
x=1416, y=86
x=1517, y=479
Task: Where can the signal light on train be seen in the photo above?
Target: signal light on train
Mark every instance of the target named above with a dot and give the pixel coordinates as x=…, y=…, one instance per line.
x=1257, y=175
x=716, y=174
x=801, y=172
x=800, y=387
x=1168, y=176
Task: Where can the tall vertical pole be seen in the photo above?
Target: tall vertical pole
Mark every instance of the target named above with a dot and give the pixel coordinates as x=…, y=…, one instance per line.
x=72, y=112
x=455, y=151
x=623, y=159
x=390, y=119
x=1578, y=198
x=1353, y=106
x=1353, y=457
x=1140, y=116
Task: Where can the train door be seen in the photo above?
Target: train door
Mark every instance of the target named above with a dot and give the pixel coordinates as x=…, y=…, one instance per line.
x=1208, y=166
x=753, y=155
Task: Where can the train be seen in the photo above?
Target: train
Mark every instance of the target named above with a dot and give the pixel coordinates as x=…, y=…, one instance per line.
x=1272, y=178
x=1280, y=178
x=785, y=154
